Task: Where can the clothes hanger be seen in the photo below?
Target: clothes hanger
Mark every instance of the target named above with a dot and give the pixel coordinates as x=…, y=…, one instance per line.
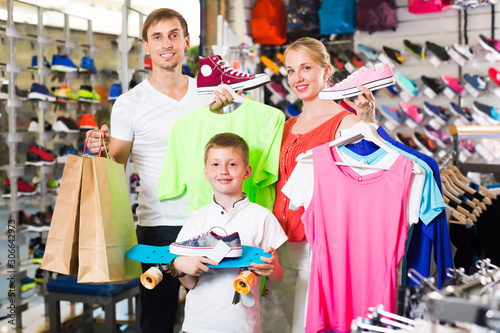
x=358, y=131
x=453, y=177
x=460, y=176
x=459, y=217
x=455, y=205
x=479, y=205
x=455, y=195
x=236, y=98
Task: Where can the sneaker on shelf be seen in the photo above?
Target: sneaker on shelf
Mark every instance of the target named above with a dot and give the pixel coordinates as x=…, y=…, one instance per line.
x=63, y=153
x=494, y=75
x=434, y=84
x=439, y=136
x=4, y=91
x=33, y=244
x=368, y=51
x=115, y=90
x=416, y=49
x=438, y=50
x=85, y=94
x=412, y=111
x=392, y=114
x=378, y=115
x=338, y=62
x=40, y=92
x=354, y=59
x=393, y=54
x=272, y=66
x=148, y=63
x=39, y=222
x=135, y=182
x=464, y=51
x=372, y=80
x=477, y=81
x=489, y=111
x=490, y=45
x=39, y=251
x=66, y=125
x=425, y=143
x=64, y=94
x=468, y=145
x=27, y=283
x=96, y=98
x=406, y=140
x=453, y=83
x=33, y=127
x=214, y=71
x=34, y=62
x=278, y=92
x=292, y=111
x=87, y=121
x=392, y=91
x=23, y=188
x=39, y=276
x=203, y=245
x=62, y=63
x=463, y=113
x=52, y=185
x=39, y=156
x=87, y=65
x=436, y=111
x=22, y=220
x=407, y=84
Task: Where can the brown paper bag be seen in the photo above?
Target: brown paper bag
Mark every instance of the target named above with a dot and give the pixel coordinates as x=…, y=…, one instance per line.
x=107, y=228
x=61, y=249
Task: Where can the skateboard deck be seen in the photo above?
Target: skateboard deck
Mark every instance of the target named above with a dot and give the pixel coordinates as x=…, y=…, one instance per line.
x=148, y=254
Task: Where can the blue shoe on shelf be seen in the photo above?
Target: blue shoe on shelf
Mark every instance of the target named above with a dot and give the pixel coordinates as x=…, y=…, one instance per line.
x=62, y=63
x=115, y=90
x=87, y=65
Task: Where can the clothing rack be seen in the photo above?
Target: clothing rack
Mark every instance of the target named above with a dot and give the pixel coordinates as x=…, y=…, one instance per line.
x=474, y=132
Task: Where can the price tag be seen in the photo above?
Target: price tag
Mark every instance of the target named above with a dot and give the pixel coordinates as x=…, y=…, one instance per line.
x=390, y=126
x=449, y=93
x=435, y=61
x=471, y=90
x=406, y=96
x=268, y=71
x=385, y=59
x=491, y=57
x=219, y=251
x=429, y=93
x=370, y=65
x=434, y=123
x=283, y=71
x=410, y=123
x=497, y=92
x=457, y=57
x=484, y=152
x=350, y=67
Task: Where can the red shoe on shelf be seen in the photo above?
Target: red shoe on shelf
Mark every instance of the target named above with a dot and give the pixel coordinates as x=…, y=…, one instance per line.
x=23, y=188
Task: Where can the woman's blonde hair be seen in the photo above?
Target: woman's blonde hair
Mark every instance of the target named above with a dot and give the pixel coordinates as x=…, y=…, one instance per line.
x=313, y=48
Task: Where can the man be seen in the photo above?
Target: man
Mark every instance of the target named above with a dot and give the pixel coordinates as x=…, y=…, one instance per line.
x=141, y=120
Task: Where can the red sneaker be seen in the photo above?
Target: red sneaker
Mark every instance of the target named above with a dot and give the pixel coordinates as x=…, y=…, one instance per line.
x=38, y=156
x=23, y=188
x=215, y=71
x=494, y=75
x=87, y=121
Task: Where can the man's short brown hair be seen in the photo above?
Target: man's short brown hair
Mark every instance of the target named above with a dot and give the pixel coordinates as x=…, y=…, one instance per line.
x=229, y=140
x=162, y=14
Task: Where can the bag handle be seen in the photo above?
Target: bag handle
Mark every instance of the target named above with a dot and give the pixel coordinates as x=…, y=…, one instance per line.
x=108, y=155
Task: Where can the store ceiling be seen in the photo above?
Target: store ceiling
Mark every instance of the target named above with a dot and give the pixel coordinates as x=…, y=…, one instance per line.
x=106, y=15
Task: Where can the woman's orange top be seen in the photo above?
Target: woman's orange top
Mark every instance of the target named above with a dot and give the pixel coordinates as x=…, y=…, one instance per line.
x=293, y=145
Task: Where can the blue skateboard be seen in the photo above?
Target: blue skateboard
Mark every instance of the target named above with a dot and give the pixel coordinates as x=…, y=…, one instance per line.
x=160, y=256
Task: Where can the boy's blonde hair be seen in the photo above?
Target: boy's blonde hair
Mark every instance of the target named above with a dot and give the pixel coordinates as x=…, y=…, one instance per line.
x=311, y=47
x=229, y=140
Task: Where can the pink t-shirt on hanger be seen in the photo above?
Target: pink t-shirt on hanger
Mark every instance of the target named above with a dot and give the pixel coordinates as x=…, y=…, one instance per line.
x=356, y=226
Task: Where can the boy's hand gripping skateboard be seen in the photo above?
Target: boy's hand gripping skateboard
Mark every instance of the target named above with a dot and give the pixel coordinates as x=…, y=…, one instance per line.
x=160, y=256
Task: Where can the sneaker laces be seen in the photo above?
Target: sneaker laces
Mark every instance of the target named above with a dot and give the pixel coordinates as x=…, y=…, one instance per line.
x=348, y=79
x=229, y=69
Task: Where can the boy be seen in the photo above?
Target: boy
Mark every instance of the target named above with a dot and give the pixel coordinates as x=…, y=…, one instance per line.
x=209, y=305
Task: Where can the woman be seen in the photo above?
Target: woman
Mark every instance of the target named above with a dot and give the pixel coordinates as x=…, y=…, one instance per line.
x=308, y=65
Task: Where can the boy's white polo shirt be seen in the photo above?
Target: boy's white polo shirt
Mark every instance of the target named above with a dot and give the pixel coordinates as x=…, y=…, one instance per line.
x=209, y=307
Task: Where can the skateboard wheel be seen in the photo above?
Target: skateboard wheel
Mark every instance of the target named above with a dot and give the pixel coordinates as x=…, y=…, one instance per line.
x=244, y=282
x=151, y=278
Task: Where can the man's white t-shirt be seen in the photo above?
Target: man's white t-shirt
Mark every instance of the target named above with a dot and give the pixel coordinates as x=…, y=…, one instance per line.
x=145, y=116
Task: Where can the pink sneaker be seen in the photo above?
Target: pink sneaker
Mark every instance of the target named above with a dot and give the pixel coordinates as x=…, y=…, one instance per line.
x=362, y=77
x=214, y=71
x=452, y=83
x=411, y=111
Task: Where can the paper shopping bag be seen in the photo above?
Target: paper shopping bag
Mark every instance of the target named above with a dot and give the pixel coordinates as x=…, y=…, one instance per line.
x=61, y=249
x=107, y=228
